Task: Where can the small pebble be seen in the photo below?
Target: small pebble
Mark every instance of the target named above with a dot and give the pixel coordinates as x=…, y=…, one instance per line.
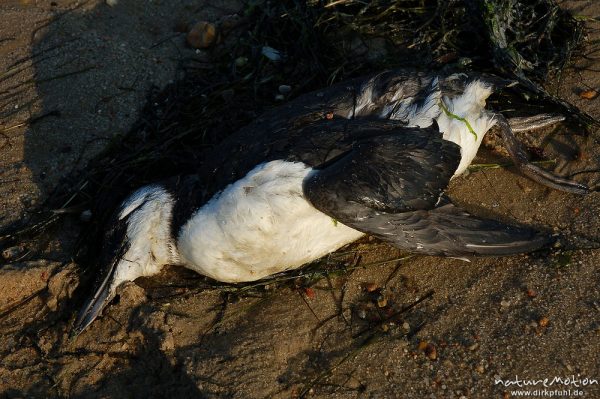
x=533, y=324
x=202, y=35
x=309, y=292
x=279, y=97
x=381, y=301
x=86, y=216
x=285, y=89
x=362, y=314
x=543, y=322
x=480, y=369
x=370, y=287
x=474, y=347
x=504, y=303
x=241, y=61
x=588, y=94
x=531, y=293
x=431, y=352
x=112, y=3
x=406, y=326
x=569, y=367
x=12, y=252
x=271, y=53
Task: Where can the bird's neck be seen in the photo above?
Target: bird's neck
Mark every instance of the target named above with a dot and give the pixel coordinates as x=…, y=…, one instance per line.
x=151, y=243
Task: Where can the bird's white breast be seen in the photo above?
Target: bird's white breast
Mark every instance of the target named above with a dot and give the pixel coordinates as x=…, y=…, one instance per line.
x=470, y=106
x=260, y=225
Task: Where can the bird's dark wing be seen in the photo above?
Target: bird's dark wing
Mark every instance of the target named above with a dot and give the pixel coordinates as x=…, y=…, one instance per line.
x=395, y=173
x=392, y=188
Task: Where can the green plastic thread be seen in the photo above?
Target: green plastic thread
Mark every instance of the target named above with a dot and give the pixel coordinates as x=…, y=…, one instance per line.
x=458, y=118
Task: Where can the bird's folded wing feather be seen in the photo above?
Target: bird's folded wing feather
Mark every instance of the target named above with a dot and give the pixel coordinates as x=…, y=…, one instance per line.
x=393, y=188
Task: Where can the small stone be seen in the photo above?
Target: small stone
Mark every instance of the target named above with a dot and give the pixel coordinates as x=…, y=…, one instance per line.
x=285, y=89
x=531, y=293
x=12, y=252
x=112, y=3
x=85, y=216
x=569, y=367
x=406, y=326
x=422, y=345
x=131, y=294
x=361, y=313
x=474, y=347
x=271, y=53
x=279, y=97
x=353, y=383
x=202, y=35
x=480, y=369
x=431, y=352
x=241, y=61
x=309, y=292
x=168, y=342
x=504, y=303
x=588, y=94
x=543, y=322
x=381, y=301
x=370, y=287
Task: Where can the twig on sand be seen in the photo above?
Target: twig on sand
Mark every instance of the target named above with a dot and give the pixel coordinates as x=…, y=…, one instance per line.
x=354, y=352
x=11, y=308
x=369, y=340
x=309, y=307
x=394, y=315
x=479, y=166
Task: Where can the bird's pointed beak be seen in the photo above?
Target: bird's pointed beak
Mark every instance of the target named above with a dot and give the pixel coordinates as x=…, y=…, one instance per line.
x=95, y=304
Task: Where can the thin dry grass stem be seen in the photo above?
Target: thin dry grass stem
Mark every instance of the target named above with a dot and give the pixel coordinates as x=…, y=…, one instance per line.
x=308, y=306
x=375, y=335
x=395, y=315
x=480, y=166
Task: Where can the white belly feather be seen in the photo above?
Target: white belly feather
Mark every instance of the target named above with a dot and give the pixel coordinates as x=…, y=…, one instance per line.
x=258, y=226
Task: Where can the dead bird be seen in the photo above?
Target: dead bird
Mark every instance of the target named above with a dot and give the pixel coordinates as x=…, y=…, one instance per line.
x=370, y=156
